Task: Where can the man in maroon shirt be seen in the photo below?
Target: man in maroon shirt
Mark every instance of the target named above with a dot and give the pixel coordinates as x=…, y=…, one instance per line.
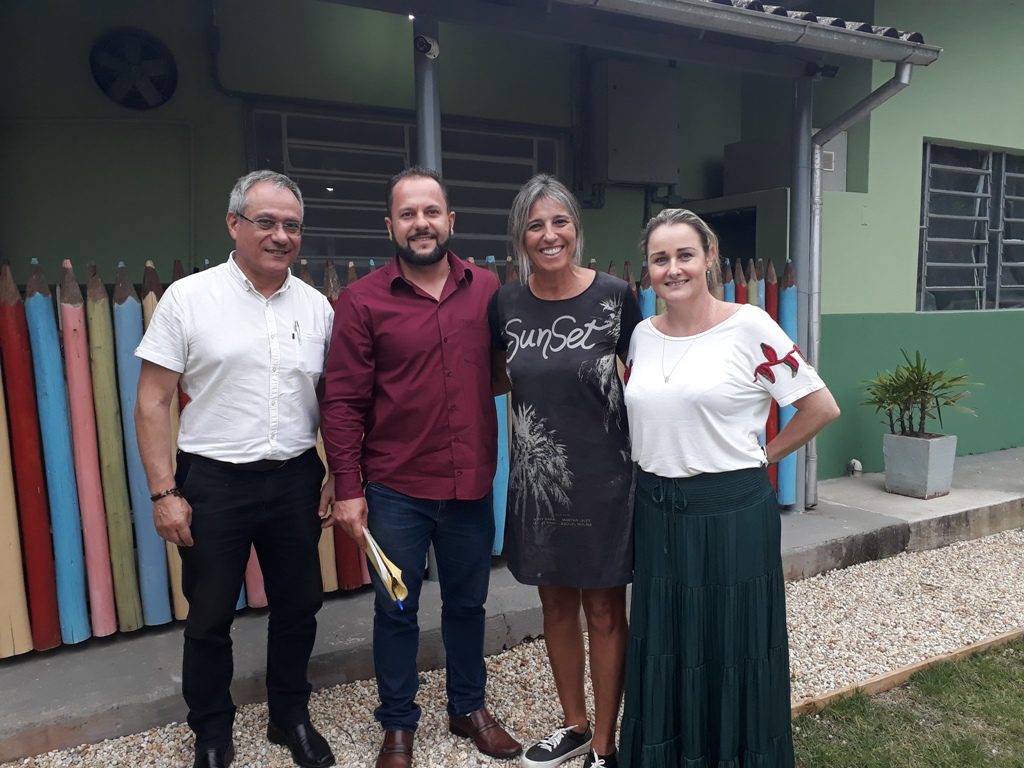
x=409, y=424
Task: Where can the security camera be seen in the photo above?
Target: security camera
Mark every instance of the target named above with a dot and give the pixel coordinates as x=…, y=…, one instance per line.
x=428, y=46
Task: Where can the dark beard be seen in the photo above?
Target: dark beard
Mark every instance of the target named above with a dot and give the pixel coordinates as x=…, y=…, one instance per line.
x=422, y=260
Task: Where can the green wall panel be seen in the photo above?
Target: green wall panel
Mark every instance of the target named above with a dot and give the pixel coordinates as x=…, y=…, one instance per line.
x=94, y=187
x=101, y=181
x=966, y=97
x=336, y=53
x=981, y=344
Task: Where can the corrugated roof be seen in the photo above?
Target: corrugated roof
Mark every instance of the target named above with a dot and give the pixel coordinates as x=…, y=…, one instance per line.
x=777, y=25
x=828, y=21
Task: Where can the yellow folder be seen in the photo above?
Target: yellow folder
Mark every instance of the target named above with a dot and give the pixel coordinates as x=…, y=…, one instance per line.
x=390, y=574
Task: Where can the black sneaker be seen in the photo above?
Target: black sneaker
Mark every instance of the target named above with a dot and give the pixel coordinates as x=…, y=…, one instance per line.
x=595, y=760
x=560, y=746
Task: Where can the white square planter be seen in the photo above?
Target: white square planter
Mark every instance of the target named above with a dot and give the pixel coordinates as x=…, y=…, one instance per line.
x=921, y=467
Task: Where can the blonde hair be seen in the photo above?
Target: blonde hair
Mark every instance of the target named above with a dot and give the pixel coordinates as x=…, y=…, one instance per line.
x=541, y=186
x=708, y=239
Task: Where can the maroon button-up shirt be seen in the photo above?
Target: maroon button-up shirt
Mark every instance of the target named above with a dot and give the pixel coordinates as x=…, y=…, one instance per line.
x=407, y=389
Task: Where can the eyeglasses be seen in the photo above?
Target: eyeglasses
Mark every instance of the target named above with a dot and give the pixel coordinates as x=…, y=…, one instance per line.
x=293, y=228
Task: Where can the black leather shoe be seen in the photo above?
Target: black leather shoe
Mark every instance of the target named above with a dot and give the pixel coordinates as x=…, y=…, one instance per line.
x=309, y=749
x=214, y=757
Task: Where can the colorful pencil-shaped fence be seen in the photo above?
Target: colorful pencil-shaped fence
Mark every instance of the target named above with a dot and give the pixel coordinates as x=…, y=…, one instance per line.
x=15, y=634
x=351, y=564
x=499, y=486
x=153, y=579
x=328, y=570
x=646, y=297
x=113, y=475
x=771, y=306
x=151, y=293
x=739, y=279
x=728, y=286
x=51, y=398
x=757, y=284
x=27, y=462
x=104, y=569
x=85, y=452
x=788, y=321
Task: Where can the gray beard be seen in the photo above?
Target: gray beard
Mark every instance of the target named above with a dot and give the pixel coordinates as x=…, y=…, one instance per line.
x=414, y=259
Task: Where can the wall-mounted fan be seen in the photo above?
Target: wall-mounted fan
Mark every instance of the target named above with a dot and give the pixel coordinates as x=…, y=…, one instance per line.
x=133, y=68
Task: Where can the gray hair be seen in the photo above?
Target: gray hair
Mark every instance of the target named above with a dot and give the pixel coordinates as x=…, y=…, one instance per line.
x=541, y=186
x=708, y=238
x=240, y=192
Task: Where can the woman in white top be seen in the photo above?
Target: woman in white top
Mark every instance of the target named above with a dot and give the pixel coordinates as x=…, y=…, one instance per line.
x=707, y=669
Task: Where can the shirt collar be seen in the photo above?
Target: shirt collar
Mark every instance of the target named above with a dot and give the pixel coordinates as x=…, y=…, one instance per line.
x=236, y=273
x=459, y=270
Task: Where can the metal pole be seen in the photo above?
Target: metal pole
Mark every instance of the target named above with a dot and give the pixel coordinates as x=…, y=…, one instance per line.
x=428, y=93
x=428, y=130
x=800, y=234
x=811, y=345
x=813, y=319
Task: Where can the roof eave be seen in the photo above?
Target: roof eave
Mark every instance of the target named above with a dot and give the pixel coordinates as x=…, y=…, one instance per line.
x=765, y=27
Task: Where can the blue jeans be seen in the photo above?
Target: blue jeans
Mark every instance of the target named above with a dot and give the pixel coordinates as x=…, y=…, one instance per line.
x=462, y=533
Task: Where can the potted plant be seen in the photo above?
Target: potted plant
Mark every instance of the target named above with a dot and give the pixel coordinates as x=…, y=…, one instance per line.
x=918, y=462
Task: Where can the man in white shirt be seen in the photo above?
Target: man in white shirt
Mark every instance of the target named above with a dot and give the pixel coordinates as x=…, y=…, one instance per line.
x=246, y=341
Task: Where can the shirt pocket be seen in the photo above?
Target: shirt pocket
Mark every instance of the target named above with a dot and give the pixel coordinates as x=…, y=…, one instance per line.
x=310, y=350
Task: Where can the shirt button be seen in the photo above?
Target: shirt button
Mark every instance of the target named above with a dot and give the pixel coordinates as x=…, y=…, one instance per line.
x=448, y=374
x=458, y=472
x=445, y=339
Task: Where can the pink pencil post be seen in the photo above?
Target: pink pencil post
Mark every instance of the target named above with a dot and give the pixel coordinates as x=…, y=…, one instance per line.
x=85, y=451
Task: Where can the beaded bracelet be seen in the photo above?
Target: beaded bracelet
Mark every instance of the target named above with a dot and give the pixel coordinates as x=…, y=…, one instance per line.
x=163, y=494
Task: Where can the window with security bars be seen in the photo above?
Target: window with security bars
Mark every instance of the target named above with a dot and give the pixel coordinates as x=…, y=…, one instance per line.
x=972, y=230
x=342, y=163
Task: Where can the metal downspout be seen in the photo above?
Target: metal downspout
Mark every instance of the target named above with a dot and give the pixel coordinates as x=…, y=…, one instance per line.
x=428, y=93
x=426, y=50
x=800, y=228
x=852, y=116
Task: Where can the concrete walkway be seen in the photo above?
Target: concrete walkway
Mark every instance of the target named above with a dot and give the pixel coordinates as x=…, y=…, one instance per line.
x=114, y=686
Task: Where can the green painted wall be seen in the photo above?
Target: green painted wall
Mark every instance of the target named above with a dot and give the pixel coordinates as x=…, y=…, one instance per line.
x=870, y=249
x=965, y=97
x=97, y=181
x=354, y=56
x=856, y=347
x=162, y=176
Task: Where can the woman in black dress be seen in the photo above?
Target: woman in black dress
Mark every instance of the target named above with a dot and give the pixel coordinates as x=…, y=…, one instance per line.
x=569, y=519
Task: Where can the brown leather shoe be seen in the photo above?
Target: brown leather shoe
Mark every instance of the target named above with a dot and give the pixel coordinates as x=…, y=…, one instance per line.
x=396, y=751
x=488, y=734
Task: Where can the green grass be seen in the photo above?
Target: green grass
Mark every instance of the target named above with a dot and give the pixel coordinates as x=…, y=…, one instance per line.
x=967, y=714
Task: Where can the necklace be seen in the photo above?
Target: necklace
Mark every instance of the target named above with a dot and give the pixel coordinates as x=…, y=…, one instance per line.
x=664, y=343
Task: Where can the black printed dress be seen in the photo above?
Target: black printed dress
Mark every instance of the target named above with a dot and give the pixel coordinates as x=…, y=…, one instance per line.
x=569, y=520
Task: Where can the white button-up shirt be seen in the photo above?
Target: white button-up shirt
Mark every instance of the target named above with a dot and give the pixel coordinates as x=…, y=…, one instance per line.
x=249, y=365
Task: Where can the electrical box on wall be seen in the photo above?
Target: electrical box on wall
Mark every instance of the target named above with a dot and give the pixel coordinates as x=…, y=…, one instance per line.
x=635, y=122
x=754, y=165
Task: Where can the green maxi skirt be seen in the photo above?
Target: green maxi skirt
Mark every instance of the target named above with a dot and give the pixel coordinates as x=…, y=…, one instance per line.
x=707, y=666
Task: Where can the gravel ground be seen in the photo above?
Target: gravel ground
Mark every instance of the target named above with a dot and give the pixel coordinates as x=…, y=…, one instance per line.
x=845, y=627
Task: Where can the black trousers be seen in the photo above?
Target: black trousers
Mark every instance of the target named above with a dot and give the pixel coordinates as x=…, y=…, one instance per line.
x=232, y=508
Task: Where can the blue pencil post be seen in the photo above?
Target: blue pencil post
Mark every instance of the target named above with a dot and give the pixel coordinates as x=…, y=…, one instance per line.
x=646, y=296
x=500, y=485
x=61, y=484
x=152, y=555
x=499, y=488
x=788, y=322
